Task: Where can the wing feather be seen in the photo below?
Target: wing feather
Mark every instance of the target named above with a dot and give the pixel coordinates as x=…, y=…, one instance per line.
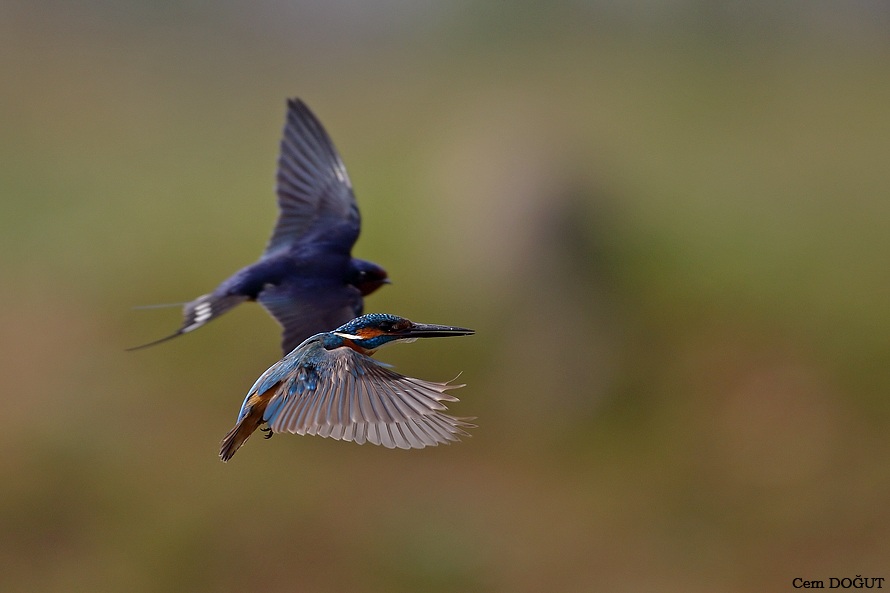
x=355, y=398
x=314, y=191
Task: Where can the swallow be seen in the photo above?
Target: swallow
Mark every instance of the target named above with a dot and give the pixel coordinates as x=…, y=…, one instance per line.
x=306, y=278
x=330, y=386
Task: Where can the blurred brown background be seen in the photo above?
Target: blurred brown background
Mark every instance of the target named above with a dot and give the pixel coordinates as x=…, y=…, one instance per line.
x=668, y=222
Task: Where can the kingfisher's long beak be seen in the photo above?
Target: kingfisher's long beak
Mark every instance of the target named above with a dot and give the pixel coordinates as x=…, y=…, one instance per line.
x=423, y=330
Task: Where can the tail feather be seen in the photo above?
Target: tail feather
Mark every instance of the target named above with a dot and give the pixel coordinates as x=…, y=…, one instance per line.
x=206, y=308
x=160, y=306
x=199, y=312
x=237, y=437
x=155, y=342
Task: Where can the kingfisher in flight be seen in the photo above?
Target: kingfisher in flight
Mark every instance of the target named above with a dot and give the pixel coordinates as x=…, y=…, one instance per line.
x=331, y=387
x=306, y=278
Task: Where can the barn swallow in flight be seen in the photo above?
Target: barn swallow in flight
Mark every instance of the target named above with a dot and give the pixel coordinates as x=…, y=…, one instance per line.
x=331, y=387
x=306, y=278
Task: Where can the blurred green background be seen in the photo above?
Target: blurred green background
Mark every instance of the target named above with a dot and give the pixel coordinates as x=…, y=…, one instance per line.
x=668, y=222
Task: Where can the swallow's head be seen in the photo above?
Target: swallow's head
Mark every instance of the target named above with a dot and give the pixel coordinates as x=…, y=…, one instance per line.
x=368, y=277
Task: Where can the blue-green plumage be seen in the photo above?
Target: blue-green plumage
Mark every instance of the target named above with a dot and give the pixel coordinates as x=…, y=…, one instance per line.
x=330, y=386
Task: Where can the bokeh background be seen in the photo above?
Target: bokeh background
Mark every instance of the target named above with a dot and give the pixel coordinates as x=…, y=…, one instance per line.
x=668, y=222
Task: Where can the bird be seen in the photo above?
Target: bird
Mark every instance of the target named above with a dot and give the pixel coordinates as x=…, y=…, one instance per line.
x=306, y=277
x=330, y=386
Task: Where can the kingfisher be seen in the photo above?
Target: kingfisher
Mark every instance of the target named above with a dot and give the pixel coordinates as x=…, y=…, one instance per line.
x=331, y=387
x=306, y=278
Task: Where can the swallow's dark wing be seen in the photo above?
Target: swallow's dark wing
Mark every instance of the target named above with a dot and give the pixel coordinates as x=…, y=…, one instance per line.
x=314, y=191
x=304, y=311
x=348, y=396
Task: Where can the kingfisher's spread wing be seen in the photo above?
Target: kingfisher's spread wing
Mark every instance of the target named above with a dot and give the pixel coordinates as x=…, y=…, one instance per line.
x=348, y=396
x=314, y=191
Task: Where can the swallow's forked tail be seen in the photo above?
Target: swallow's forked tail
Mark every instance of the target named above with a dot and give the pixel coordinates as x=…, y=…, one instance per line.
x=198, y=312
x=158, y=306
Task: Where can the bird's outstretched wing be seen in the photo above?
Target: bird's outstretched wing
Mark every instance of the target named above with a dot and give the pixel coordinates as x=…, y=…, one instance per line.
x=314, y=191
x=306, y=311
x=348, y=396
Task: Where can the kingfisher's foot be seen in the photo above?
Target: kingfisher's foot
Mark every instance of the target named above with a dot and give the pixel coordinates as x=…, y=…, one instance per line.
x=268, y=432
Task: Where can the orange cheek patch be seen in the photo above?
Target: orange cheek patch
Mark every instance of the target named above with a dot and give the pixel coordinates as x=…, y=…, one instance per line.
x=366, y=333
